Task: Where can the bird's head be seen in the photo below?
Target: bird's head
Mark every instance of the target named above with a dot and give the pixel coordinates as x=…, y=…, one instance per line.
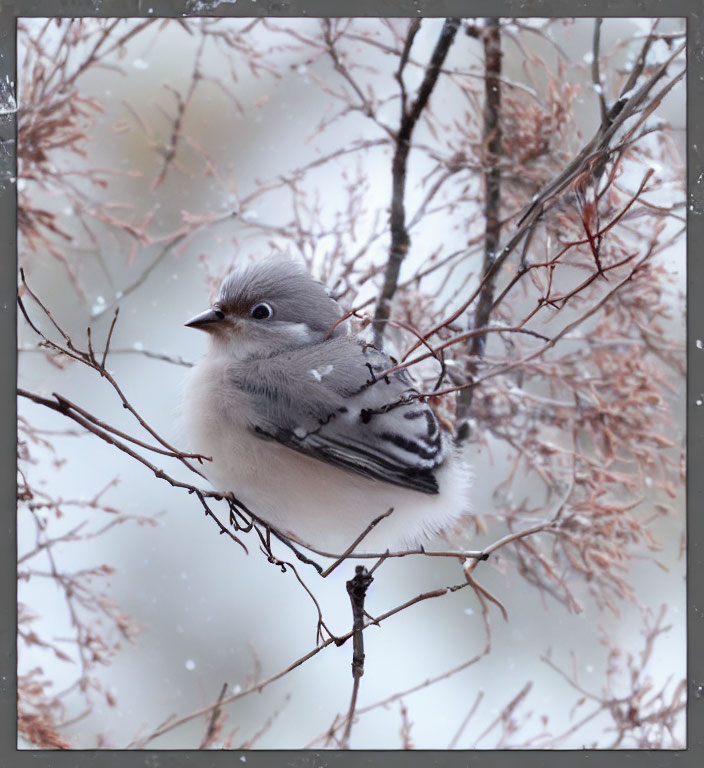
x=268, y=307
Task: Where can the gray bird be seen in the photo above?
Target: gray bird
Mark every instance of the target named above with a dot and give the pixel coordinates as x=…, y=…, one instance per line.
x=303, y=426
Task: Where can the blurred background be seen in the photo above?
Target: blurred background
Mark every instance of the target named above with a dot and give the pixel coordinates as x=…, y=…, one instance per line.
x=177, y=152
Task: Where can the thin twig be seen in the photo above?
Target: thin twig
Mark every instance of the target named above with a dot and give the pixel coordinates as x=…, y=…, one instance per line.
x=354, y=544
x=214, y=721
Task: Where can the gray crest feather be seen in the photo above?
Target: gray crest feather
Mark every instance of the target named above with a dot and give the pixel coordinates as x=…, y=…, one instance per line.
x=285, y=284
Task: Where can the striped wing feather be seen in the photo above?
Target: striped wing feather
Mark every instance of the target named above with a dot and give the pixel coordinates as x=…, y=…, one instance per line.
x=328, y=402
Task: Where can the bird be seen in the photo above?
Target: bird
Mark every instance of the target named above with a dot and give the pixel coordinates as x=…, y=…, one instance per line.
x=304, y=425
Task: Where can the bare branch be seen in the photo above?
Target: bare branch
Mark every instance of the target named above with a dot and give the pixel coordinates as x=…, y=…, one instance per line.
x=400, y=239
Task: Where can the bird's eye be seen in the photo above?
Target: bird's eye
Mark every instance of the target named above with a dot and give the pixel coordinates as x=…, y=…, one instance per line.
x=219, y=313
x=261, y=311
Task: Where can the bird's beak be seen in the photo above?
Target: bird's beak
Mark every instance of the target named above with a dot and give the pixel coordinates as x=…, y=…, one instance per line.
x=204, y=319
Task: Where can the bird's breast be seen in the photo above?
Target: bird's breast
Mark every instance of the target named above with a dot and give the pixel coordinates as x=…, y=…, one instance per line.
x=215, y=416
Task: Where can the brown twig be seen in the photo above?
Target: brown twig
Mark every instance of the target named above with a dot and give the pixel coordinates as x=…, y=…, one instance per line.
x=357, y=590
x=400, y=239
x=492, y=140
x=214, y=721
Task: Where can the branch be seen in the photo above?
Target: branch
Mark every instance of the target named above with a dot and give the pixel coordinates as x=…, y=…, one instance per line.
x=596, y=74
x=63, y=406
x=89, y=359
x=357, y=590
x=258, y=687
x=598, y=147
x=214, y=722
x=400, y=239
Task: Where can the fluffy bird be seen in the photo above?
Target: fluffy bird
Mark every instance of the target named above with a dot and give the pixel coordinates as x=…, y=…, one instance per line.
x=304, y=427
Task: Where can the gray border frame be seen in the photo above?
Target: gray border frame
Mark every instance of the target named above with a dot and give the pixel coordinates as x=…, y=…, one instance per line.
x=693, y=756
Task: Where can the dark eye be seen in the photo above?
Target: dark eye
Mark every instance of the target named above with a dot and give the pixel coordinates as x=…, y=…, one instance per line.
x=261, y=311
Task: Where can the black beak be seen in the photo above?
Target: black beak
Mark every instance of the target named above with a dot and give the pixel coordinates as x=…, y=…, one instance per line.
x=205, y=318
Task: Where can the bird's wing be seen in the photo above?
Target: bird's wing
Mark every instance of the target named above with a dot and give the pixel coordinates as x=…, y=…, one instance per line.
x=327, y=401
